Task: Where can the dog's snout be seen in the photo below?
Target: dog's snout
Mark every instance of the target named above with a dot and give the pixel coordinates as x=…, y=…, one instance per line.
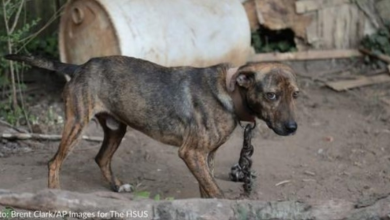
x=291, y=126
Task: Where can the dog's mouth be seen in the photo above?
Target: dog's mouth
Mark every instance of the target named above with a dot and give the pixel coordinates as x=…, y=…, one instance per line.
x=283, y=133
x=278, y=130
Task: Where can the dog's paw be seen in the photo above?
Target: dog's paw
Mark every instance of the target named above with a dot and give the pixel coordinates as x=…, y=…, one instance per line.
x=125, y=188
x=236, y=174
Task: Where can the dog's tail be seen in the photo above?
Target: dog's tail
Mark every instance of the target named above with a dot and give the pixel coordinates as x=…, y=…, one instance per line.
x=44, y=63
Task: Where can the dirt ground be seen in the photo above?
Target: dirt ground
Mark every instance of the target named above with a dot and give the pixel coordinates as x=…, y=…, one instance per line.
x=341, y=149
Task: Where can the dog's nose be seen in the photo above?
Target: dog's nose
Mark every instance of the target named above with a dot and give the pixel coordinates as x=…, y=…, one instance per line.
x=291, y=126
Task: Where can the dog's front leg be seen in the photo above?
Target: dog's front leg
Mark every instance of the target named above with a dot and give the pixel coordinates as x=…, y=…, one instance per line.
x=196, y=160
x=211, y=168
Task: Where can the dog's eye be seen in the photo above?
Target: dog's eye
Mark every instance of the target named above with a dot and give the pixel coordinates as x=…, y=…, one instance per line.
x=270, y=95
x=295, y=94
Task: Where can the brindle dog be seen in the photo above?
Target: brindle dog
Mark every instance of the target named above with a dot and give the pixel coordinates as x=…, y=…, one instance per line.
x=196, y=109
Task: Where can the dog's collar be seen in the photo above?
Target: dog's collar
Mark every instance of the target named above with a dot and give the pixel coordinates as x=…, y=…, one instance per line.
x=241, y=108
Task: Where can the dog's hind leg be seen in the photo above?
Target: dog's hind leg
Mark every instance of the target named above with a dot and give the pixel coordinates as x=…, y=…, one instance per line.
x=77, y=117
x=113, y=134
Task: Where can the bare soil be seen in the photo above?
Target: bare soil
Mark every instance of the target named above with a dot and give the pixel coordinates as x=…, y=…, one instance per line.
x=341, y=149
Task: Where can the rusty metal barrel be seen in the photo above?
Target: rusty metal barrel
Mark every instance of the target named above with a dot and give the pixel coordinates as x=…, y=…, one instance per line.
x=168, y=32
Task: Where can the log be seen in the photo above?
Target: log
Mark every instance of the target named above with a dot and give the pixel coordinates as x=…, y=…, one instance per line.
x=304, y=6
x=48, y=137
x=305, y=55
x=336, y=25
x=103, y=207
x=383, y=9
x=21, y=130
x=250, y=9
x=379, y=56
x=368, y=9
x=361, y=81
x=340, y=26
x=280, y=14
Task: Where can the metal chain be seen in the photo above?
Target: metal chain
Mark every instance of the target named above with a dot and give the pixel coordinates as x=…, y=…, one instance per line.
x=241, y=172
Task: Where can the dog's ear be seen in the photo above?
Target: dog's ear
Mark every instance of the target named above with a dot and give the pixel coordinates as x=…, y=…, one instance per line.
x=240, y=76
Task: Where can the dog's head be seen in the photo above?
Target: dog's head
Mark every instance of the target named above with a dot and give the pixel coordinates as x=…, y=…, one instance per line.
x=269, y=91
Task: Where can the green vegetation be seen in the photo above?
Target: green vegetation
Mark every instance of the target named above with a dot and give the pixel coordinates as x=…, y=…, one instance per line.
x=11, y=40
x=146, y=195
x=7, y=211
x=379, y=43
x=266, y=41
x=18, y=35
x=47, y=47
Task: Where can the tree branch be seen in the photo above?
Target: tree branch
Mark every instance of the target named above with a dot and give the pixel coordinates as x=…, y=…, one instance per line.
x=5, y=16
x=17, y=17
